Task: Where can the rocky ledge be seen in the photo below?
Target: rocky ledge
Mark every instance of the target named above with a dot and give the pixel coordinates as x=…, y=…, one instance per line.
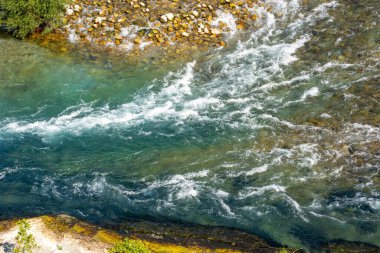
x=63, y=233
x=66, y=234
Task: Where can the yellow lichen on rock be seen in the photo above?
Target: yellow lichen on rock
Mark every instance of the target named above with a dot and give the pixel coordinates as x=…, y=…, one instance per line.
x=172, y=248
x=81, y=230
x=108, y=237
x=56, y=224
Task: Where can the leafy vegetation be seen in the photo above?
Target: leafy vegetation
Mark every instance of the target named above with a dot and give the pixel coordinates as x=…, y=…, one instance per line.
x=129, y=246
x=25, y=242
x=23, y=17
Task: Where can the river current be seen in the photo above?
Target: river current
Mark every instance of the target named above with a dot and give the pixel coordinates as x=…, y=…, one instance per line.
x=277, y=134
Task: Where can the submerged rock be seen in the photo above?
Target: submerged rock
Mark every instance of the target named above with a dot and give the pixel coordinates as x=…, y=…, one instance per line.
x=349, y=247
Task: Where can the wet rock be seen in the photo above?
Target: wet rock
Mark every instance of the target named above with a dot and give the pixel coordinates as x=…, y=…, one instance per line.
x=216, y=31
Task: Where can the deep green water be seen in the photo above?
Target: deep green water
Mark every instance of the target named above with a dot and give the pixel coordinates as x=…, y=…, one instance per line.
x=277, y=135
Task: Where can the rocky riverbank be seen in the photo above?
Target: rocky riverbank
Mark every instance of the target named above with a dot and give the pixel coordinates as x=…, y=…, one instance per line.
x=176, y=26
x=66, y=234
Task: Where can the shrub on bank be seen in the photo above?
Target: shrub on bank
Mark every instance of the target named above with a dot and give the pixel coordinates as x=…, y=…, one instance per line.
x=23, y=17
x=25, y=242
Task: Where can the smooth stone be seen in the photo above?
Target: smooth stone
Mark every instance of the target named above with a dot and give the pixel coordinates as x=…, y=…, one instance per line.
x=69, y=12
x=76, y=7
x=195, y=13
x=99, y=19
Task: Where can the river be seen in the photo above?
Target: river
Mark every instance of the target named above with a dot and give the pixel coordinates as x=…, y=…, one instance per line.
x=277, y=134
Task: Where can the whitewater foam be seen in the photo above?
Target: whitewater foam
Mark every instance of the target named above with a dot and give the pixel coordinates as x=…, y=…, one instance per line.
x=6, y=171
x=227, y=18
x=179, y=97
x=254, y=191
x=251, y=172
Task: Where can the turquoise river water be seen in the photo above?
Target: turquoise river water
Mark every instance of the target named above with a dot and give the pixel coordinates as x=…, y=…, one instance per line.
x=277, y=134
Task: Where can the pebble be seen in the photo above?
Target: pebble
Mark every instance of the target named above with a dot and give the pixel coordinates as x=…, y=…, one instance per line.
x=77, y=8
x=195, y=13
x=137, y=40
x=99, y=20
x=170, y=16
x=69, y=12
x=164, y=19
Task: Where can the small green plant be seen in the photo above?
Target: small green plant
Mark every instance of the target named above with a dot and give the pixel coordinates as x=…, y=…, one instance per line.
x=58, y=248
x=283, y=250
x=25, y=242
x=129, y=246
x=23, y=17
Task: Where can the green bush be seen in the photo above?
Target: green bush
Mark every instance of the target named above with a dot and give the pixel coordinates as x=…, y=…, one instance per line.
x=22, y=17
x=129, y=246
x=25, y=242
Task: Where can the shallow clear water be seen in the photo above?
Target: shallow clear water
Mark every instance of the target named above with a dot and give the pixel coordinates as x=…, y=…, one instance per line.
x=277, y=135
